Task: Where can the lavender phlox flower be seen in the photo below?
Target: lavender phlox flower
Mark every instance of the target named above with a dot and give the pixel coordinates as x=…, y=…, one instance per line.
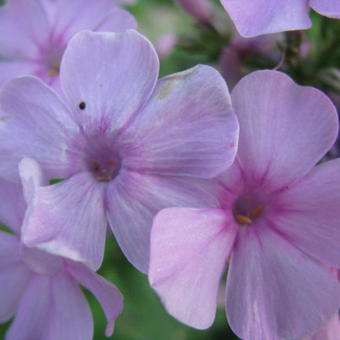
x=35, y=33
x=42, y=291
x=126, y=144
x=275, y=223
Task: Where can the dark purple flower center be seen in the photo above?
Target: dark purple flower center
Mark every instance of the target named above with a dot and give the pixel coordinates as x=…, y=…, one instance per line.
x=247, y=209
x=104, y=171
x=101, y=157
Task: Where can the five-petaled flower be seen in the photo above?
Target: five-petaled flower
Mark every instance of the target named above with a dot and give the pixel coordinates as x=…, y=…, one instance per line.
x=276, y=217
x=126, y=145
x=35, y=33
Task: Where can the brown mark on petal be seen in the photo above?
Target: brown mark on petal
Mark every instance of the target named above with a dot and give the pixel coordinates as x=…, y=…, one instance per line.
x=4, y=118
x=170, y=82
x=166, y=89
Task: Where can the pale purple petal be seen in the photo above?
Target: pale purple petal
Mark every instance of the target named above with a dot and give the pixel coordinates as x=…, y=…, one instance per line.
x=113, y=74
x=67, y=219
x=309, y=213
x=106, y=293
x=31, y=177
x=285, y=129
x=70, y=17
x=331, y=331
x=188, y=128
x=134, y=199
x=329, y=8
x=33, y=312
x=13, y=68
x=255, y=17
x=34, y=123
x=10, y=249
x=13, y=206
x=13, y=281
x=23, y=27
x=69, y=313
x=117, y=20
x=274, y=291
x=189, y=249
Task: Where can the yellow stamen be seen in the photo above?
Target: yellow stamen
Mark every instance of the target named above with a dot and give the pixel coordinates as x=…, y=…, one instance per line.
x=243, y=219
x=53, y=72
x=256, y=212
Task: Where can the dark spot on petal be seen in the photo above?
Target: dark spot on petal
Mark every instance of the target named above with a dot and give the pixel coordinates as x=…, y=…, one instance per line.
x=82, y=106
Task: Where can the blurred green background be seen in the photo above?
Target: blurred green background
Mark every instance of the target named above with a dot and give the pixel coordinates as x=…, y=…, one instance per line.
x=144, y=318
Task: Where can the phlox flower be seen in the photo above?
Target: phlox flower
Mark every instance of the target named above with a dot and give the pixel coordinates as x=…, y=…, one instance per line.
x=276, y=219
x=41, y=291
x=126, y=145
x=35, y=33
x=255, y=17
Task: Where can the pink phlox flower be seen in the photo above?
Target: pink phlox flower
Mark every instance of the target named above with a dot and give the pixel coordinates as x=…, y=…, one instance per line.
x=275, y=223
x=42, y=291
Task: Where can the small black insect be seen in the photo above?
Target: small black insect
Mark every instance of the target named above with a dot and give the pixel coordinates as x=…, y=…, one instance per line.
x=82, y=106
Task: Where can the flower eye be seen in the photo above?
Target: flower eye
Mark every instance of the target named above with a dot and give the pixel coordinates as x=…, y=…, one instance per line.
x=82, y=106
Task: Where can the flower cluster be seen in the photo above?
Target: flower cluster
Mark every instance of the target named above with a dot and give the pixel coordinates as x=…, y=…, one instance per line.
x=191, y=180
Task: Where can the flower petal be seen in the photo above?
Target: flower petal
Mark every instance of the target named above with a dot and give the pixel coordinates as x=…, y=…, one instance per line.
x=34, y=123
x=189, y=249
x=12, y=68
x=117, y=20
x=32, y=315
x=13, y=206
x=329, y=8
x=31, y=177
x=70, y=17
x=13, y=281
x=113, y=74
x=285, y=129
x=106, y=293
x=134, y=199
x=10, y=249
x=27, y=22
x=274, y=291
x=188, y=128
x=309, y=213
x=68, y=219
x=255, y=17
x=69, y=313
x=331, y=331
